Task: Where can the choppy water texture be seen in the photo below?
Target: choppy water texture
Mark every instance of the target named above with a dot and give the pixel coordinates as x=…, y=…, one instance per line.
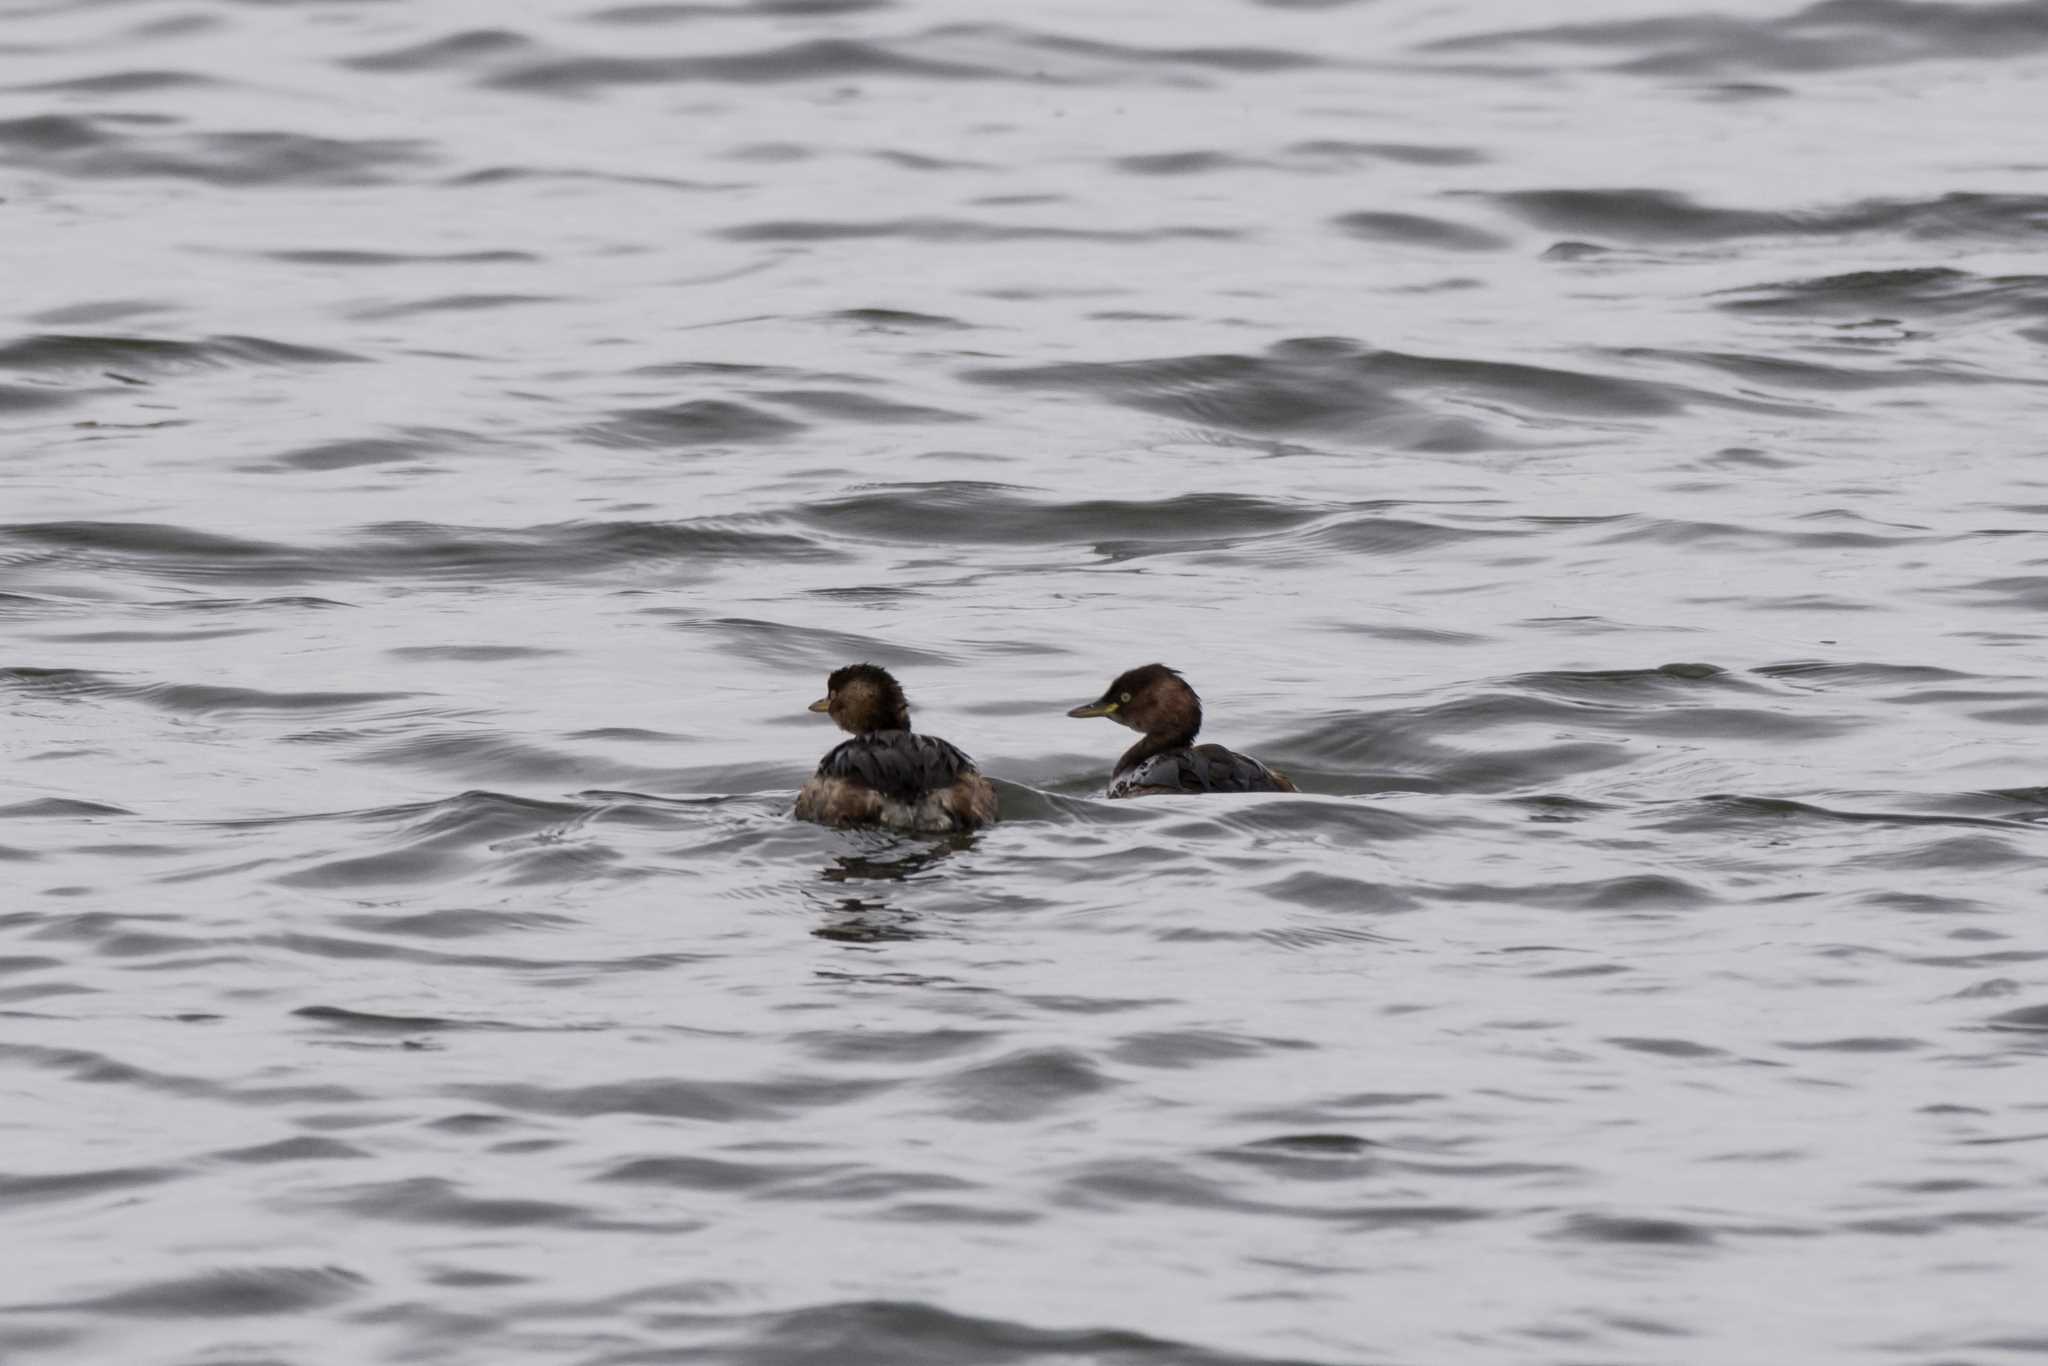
x=1596, y=448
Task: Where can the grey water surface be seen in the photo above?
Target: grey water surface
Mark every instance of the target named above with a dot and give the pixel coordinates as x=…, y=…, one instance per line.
x=1598, y=447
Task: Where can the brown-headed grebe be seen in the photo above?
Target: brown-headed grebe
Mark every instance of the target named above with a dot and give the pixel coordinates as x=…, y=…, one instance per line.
x=1158, y=702
x=885, y=775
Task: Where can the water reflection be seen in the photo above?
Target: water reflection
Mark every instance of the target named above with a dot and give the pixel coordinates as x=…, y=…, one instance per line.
x=874, y=919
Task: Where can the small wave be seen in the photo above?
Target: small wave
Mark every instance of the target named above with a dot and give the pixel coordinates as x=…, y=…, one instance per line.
x=694, y=422
x=406, y=550
x=51, y=1187
x=1337, y=387
x=1920, y=294
x=1827, y=36
x=353, y=257
x=781, y=647
x=137, y=82
x=446, y=303
x=1021, y=1084
x=188, y=699
x=914, y=1331
x=233, y=1292
x=719, y=1102
x=111, y=147
x=896, y=320
x=808, y=60
x=1652, y=216
x=995, y=514
x=60, y=352
x=656, y=13
x=1345, y=151
x=937, y=229
x=1636, y=1229
x=1411, y=229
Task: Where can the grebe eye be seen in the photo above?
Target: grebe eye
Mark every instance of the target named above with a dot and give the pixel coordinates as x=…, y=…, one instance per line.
x=1125, y=698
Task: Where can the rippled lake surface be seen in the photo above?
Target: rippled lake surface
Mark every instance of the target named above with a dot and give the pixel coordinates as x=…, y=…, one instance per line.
x=1596, y=447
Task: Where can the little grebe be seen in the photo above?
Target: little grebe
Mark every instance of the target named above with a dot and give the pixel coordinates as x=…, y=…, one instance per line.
x=1158, y=702
x=885, y=775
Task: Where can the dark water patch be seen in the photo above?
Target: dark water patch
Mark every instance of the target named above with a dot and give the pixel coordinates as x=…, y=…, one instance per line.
x=1177, y=1050
x=60, y=352
x=846, y=406
x=348, y=455
x=138, y=82
x=408, y=550
x=455, y=923
x=1022, y=1084
x=1443, y=746
x=1410, y=229
x=1729, y=535
x=20, y=1190
x=1858, y=1044
x=447, y=303
x=915, y=1333
x=1333, y=892
x=338, y=256
x=112, y=151
x=95, y=311
x=60, y=808
x=2026, y=1018
x=636, y=15
x=1731, y=812
x=1243, y=59
x=1334, y=386
x=434, y=1200
x=1638, y=1230
x=390, y=868
x=375, y=1022
x=1408, y=635
x=455, y=51
x=2013, y=592
x=813, y=59
x=1180, y=163
x=1973, y=852
x=1407, y=153
x=937, y=229
x=234, y=1292
x=709, y=1173
x=187, y=699
x=720, y=1102
x=695, y=422
x=896, y=320
x=1609, y=687
x=471, y=654
x=996, y=514
x=1652, y=215
x=51, y=133
x=1831, y=35
x=301, y=1148
x=19, y=398
x=894, y=1045
x=1404, y=755
x=814, y=650
x=1824, y=673
x=1922, y=294
x=1787, y=373
x=579, y=175
x=1922, y=903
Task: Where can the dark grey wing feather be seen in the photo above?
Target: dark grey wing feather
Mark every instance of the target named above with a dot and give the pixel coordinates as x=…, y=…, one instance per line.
x=1204, y=768
x=897, y=763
